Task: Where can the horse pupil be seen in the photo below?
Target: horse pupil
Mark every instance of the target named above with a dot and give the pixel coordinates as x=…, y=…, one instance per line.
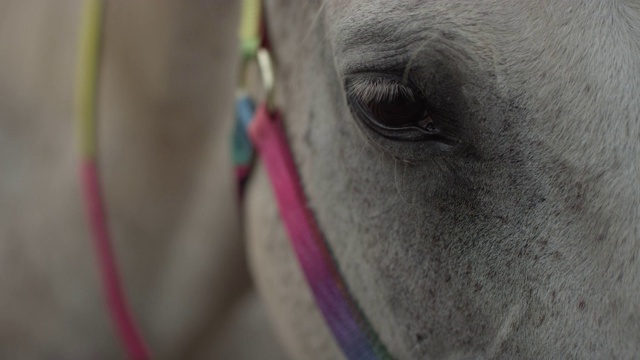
x=399, y=112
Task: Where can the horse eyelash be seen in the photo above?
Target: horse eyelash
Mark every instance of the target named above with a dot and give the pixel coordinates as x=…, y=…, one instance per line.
x=378, y=90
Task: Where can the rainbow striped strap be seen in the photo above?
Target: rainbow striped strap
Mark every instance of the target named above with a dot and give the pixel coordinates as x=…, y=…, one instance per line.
x=342, y=314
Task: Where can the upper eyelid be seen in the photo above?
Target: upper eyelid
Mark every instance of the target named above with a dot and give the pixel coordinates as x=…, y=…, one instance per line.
x=378, y=89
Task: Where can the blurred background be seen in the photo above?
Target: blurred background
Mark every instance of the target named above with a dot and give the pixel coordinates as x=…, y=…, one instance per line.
x=165, y=111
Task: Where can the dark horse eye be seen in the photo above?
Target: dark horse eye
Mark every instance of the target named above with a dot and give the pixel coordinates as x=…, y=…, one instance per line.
x=401, y=111
x=392, y=109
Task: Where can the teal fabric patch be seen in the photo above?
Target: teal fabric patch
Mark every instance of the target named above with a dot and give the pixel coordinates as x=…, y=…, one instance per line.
x=242, y=150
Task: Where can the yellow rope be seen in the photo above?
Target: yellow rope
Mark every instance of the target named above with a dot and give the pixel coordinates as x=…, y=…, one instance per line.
x=87, y=76
x=250, y=28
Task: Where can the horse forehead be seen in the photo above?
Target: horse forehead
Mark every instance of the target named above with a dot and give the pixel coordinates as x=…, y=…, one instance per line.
x=351, y=21
x=546, y=51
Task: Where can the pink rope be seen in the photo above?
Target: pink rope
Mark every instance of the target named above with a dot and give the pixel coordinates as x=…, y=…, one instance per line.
x=116, y=299
x=346, y=320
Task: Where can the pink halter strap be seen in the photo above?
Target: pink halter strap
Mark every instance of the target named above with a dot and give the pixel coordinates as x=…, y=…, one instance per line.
x=342, y=314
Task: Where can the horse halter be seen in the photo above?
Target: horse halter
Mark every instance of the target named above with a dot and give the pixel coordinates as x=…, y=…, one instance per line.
x=341, y=312
x=260, y=128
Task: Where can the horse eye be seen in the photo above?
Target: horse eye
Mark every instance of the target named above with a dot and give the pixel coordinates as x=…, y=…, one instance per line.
x=399, y=112
x=391, y=109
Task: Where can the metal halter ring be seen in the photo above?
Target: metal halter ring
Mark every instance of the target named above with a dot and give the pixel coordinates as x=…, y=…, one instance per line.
x=267, y=75
x=262, y=58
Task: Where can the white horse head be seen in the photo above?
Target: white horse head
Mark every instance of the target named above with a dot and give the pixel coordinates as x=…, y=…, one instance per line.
x=474, y=166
